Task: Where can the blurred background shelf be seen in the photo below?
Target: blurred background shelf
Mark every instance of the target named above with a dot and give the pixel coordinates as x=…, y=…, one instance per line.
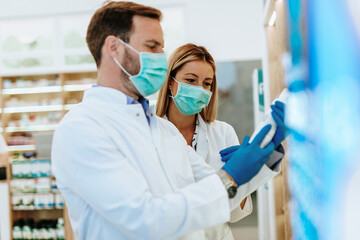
x=76, y=87
x=31, y=128
x=31, y=90
x=34, y=209
x=21, y=148
x=29, y=109
x=69, y=106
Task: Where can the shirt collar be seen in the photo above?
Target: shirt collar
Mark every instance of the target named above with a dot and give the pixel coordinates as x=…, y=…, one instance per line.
x=144, y=103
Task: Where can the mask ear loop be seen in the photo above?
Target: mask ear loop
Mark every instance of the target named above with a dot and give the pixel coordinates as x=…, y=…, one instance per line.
x=177, y=89
x=122, y=68
x=129, y=46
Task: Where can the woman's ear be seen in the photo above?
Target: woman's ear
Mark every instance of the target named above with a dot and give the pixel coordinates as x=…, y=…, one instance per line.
x=171, y=85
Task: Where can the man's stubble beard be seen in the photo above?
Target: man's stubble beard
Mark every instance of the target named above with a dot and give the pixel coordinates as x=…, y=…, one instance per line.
x=131, y=63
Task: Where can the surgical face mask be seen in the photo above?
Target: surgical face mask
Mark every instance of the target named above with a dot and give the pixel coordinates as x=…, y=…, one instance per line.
x=152, y=73
x=191, y=99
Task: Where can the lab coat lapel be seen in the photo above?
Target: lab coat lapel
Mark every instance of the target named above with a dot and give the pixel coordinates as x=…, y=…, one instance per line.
x=202, y=144
x=156, y=136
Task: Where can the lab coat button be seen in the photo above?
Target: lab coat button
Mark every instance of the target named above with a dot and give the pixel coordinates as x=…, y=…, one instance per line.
x=138, y=114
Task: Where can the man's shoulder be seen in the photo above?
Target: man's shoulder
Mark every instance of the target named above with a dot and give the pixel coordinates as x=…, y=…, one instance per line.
x=77, y=113
x=77, y=120
x=166, y=125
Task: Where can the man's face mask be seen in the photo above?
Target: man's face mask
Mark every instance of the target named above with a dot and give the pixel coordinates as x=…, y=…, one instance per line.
x=152, y=74
x=191, y=99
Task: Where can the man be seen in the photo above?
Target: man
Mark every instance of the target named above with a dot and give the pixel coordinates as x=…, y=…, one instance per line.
x=117, y=166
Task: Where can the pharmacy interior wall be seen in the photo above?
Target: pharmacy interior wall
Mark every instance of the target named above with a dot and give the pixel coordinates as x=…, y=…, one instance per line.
x=231, y=29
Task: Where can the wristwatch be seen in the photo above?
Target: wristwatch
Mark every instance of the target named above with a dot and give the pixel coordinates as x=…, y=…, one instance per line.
x=229, y=184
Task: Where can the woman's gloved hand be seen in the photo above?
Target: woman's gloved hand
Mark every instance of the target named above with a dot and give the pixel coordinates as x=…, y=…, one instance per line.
x=227, y=152
x=278, y=114
x=248, y=158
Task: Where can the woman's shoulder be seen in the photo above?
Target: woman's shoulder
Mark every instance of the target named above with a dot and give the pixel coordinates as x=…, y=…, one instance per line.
x=221, y=126
x=222, y=132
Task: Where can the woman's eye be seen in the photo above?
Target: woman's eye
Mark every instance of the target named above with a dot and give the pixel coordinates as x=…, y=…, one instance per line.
x=190, y=80
x=207, y=84
x=152, y=47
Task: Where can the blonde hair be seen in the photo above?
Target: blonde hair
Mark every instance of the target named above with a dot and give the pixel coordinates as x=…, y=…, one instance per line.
x=182, y=55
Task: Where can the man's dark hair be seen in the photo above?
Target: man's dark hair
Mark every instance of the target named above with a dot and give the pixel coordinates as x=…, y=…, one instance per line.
x=115, y=18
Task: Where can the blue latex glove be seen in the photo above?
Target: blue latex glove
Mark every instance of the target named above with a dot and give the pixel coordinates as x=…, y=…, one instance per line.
x=227, y=152
x=278, y=114
x=246, y=161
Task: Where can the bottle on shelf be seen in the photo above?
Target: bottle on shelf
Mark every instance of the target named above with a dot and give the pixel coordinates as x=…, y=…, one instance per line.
x=60, y=229
x=17, y=230
x=49, y=229
x=28, y=229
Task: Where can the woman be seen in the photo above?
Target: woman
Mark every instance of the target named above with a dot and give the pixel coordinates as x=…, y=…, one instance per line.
x=188, y=99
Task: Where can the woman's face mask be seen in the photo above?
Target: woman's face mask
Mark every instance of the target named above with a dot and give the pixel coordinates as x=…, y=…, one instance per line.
x=191, y=99
x=152, y=74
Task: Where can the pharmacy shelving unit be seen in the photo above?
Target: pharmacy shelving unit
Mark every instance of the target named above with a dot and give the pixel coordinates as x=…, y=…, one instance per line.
x=22, y=106
x=48, y=213
x=25, y=99
x=274, y=222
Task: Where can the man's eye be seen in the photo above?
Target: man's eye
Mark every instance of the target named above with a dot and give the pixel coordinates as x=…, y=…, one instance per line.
x=152, y=47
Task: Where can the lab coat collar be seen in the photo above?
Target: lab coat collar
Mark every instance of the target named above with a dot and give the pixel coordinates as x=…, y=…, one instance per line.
x=202, y=123
x=202, y=147
x=112, y=97
x=109, y=95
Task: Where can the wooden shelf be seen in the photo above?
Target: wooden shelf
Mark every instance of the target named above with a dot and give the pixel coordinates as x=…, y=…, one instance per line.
x=269, y=8
x=49, y=70
x=21, y=148
x=48, y=108
x=27, y=178
x=76, y=87
x=29, y=193
x=50, y=127
x=31, y=90
x=69, y=106
x=37, y=209
x=38, y=214
x=48, y=89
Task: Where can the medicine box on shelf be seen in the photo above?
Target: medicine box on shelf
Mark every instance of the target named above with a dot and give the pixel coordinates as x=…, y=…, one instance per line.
x=31, y=168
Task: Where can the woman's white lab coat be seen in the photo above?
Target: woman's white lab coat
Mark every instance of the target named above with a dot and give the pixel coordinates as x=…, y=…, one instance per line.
x=211, y=139
x=124, y=179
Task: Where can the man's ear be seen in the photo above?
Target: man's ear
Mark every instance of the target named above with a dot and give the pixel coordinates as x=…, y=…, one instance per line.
x=112, y=46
